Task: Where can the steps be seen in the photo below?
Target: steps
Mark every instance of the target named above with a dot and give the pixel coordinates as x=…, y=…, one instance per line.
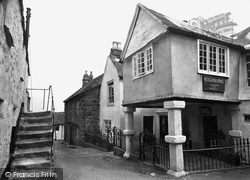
x=33, y=145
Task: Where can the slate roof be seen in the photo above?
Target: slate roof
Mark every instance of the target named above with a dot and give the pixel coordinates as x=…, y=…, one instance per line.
x=171, y=24
x=59, y=118
x=243, y=37
x=91, y=85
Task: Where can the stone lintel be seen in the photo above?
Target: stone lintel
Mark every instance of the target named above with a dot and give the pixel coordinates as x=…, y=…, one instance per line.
x=174, y=104
x=128, y=109
x=128, y=132
x=178, y=139
x=235, y=133
x=176, y=174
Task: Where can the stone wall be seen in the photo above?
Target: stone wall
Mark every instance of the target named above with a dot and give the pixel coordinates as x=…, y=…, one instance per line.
x=84, y=116
x=13, y=73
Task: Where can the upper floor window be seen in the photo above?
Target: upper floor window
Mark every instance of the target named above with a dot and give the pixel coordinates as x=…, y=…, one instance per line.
x=248, y=70
x=110, y=93
x=143, y=62
x=213, y=59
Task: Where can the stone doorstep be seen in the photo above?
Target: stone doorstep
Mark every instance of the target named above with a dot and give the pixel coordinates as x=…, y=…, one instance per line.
x=36, y=126
x=34, y=132
x=33, y=143
x=32, y=120
x=43, y=151
x=37, y=114
x=28, y=163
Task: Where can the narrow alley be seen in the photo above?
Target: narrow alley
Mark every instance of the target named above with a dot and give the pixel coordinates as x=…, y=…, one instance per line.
x=85, y=163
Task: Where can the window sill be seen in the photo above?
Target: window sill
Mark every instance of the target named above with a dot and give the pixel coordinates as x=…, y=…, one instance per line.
x=213, y=74
x=145, y=74
x=111, y=105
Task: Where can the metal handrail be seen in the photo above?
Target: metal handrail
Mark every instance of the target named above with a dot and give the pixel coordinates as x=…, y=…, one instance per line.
x=52, y=110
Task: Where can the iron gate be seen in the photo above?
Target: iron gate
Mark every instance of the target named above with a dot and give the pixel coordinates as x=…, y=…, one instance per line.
x=146, y=146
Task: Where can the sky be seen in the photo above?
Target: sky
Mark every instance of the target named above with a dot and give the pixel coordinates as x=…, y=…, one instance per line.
x=69, y=37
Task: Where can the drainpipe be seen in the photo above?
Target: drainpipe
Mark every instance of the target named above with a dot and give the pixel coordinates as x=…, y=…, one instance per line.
x=27, y=33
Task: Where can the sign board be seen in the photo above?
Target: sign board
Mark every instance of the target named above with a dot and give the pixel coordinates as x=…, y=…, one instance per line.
x=220, y=24
x=213, y=83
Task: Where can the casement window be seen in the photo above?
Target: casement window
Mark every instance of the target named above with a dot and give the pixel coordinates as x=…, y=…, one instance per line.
x=107, y=125
x=110, y=93
x=213, y=59
x=248, y=70
x=143, y=62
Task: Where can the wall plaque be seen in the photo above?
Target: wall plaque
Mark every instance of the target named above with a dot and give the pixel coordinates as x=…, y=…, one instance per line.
x=213, y=83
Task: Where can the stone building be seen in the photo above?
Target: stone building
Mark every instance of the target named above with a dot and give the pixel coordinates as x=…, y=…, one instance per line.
x=198, y=78
x=82, y=110
x=14, y=72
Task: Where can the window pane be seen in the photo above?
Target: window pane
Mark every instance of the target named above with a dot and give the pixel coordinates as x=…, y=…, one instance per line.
x=212, y=58
x=149, y=59
x=222, y=60
x=203, y=56
x=111, y=92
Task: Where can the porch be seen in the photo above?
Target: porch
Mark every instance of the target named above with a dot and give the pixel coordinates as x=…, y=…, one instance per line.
x=183, y=121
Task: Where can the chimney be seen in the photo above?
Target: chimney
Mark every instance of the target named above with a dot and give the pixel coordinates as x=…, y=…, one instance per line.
x=116, y=50
x=86, y=78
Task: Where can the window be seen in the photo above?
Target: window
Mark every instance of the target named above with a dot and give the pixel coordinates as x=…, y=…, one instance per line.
x=248, y=70
x=143, y=62
x=77, y=107
x=213, y=59
x=111, y=93
x=247, y=118
x=107, y=125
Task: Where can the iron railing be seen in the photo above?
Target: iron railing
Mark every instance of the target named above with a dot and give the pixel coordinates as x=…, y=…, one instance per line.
x=50, y=107
x=220, y=154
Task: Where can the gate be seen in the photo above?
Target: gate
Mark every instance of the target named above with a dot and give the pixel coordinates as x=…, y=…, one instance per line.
x=146, y=146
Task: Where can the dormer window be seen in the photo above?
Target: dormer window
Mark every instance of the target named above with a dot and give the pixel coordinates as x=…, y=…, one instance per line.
x=143, y=62
x=212, y=59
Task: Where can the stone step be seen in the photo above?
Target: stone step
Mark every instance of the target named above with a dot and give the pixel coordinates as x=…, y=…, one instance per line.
x=37, y=114
x=35, y=120
x=29, y=163
x=33, y=152
x=35, y=126
x=34, y=134
x=33, y=143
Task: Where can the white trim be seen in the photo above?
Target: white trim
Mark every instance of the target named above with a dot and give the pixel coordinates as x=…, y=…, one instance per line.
x=217, y=73
x=135, y=73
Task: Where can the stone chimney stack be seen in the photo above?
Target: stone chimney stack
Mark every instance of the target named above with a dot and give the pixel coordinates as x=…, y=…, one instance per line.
x=116, y=50
x=86, y=78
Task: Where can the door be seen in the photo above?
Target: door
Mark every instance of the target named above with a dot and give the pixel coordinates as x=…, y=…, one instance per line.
x=209, y=129
x=148, y=123
x=163, y=126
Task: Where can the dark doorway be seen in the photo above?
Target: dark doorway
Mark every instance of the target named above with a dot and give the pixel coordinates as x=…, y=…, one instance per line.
x=209, y=129
x=148, y=123
x=163, y=126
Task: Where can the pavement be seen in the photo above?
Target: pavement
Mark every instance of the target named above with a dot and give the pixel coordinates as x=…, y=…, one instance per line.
x=87, y=163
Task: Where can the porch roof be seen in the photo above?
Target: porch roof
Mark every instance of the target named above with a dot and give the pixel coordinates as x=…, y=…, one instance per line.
x=157, y=102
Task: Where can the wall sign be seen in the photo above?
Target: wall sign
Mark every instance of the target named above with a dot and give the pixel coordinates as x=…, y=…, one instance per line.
x=213, y=83
x=205, y=111
x=220, y=24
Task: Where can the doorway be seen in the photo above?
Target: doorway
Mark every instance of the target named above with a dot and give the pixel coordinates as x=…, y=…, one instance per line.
x=163, y=126
x=148, y=123
x=210, y=129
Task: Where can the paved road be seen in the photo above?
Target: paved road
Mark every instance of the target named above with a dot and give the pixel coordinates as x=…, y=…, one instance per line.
x=84, y=163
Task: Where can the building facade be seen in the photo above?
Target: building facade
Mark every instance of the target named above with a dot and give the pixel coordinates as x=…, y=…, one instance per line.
x=14, y=72
x=59, y=123
x=82, y=110
x=193, y=76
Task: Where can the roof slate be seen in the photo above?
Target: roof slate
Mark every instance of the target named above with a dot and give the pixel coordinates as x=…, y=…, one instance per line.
x=91, y=85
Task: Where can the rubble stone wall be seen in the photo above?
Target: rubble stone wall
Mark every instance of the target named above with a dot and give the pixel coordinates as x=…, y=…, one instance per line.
x=13, y=74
